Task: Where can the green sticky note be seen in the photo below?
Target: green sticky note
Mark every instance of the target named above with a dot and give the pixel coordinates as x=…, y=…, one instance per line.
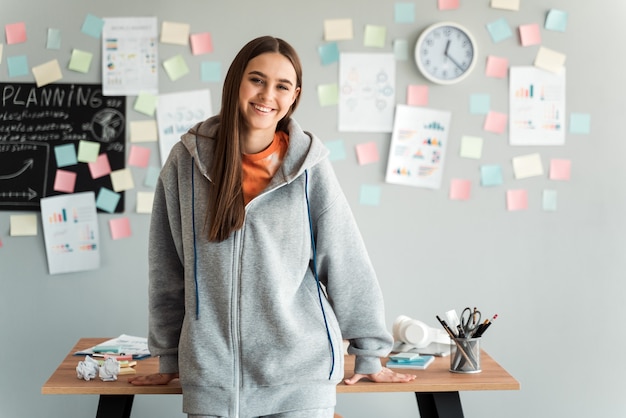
x=54, y=39
x=176, y=67
x=401, y=49
x=471, y=147
x=146, y=103
x=80, y=61
x=375, y=36
x=88, y=151
x=328, y=94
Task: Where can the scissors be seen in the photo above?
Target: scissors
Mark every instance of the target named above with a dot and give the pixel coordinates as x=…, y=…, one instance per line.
x=470, y=319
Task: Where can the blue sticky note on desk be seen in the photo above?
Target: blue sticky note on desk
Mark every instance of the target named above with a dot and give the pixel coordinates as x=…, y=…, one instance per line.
x=17, y=65
x=499, y=30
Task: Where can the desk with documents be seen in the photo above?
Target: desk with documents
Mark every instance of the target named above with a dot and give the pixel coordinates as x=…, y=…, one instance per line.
x=436, y=389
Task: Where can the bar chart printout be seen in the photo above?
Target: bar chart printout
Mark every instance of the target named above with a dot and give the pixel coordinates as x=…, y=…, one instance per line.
x=70, y=226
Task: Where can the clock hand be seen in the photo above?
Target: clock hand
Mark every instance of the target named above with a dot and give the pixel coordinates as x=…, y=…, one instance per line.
x=450, y=58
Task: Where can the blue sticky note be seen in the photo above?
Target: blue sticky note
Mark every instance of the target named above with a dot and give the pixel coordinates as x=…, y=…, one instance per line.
x=404, y=13
x=107, y=200
x=370, y=195
x=490, y=175
x=65, y=155
x=152, y=175
x=579, y=123
x=211, y=71
x=401, y=49
x=329, y=53
x=337, y=150
x=499, y=30
x=17, y=65
x=549, y=200
x=556, y=20
x=480, y=104
x=92, y=26
x=54, y=39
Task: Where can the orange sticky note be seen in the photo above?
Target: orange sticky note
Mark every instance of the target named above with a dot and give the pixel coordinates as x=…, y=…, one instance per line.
x=495, y=122
x=516, y=199
x=64, y=181
x=560, y=169
x=120, y=228
x=460, y=189
x=530, y=34
x=497, y=67
x=367, y=153
x=417, y=95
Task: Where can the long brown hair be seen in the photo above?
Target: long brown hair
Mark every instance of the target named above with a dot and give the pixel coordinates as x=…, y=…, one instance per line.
x=226, y=206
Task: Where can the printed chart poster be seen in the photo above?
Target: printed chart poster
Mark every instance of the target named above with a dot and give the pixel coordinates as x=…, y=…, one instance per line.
x=367, y=93
x=418, y=147
x=70, y=227
x=176, y=113
x=537, y=106
x=130, y=56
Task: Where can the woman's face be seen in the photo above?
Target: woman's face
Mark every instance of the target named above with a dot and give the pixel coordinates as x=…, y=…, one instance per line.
x=268, y=89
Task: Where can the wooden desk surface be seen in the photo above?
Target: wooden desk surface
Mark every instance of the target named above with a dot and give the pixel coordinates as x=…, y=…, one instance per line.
x=436, y=378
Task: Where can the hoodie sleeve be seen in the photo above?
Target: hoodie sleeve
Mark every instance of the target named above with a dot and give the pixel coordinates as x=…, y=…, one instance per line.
x=346, y=270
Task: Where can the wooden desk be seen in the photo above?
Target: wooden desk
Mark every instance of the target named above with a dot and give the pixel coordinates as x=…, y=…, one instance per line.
x=436, y=389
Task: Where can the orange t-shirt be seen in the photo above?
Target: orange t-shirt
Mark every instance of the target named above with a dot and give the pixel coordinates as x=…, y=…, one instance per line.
x=258, y=169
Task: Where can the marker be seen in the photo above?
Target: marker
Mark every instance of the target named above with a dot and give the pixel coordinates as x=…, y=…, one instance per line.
x=484, y=327
x=458, y=345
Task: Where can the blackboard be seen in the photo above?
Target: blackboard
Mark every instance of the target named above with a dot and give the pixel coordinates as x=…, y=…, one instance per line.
x=34, y=120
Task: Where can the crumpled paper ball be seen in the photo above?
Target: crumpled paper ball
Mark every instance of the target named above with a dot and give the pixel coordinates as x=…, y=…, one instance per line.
x=87, y=369
x=109, y=370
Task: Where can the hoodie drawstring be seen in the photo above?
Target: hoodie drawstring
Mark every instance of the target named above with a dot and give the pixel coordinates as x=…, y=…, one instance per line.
x=195, y=249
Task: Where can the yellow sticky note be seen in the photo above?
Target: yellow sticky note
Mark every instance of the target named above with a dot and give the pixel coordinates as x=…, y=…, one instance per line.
x=375, y=36
x=550, y=60
x=471, y=147
x=47, y=73
x=143, y=131
x=122, y=180
x=146, y=103
x=175, y=33
x=526, y=166
x=505, y=4
x=23, y=225
x=176, y=67
x=144, y=202
x=338, y=29
x=80, y=61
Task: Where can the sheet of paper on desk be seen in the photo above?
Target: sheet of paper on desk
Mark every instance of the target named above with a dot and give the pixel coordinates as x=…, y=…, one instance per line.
x=433, y=349
x=137, y=346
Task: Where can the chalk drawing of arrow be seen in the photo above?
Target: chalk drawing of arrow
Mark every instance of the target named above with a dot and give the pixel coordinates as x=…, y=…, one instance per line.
x=30, y=194
x=27, y=164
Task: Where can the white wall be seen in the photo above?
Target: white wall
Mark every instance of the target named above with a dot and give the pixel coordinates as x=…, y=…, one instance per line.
x=555, y=279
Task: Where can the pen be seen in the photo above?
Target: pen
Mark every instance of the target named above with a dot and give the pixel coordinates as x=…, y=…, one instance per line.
x=479, y=332
x=454, y=338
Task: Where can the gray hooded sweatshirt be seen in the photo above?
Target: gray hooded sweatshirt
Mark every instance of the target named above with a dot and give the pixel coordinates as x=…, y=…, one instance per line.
x=244, y=321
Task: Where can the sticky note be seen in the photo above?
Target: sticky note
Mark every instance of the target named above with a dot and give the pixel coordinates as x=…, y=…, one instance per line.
x=549, y=60
x=491, y=175
x=579, y=123
x=527, y=166
x=65, y=155
x=107, y=200
x=530, y=34
x=417, y=95
x=404, y=13
x=499, y=30
x=15, y=33
x=549, y=200
x=92, y=26
x=54, y=39
x=517, y=199
x=505, y=4
x=560, y=169
x=471, y=147
x=211, y=71
x=328, y=94
x=88, y=151
x=138, y=156
x=175, y=33
x=80, y=61
x=338, y=29
x=375, y=36
x=17, y=65
x=447, y=4
x=144, y=202
x=480, y=103
x=329, y=53
x=401, y=49
x=337, y=150
x=122, y=179
x=47, y=73
x=367, y=153
x=495, y=122
x=64, y=181
x=201, y=43
x=369, y=195
x=152, y=176
x=143, y=131
x=23, y=225
x=176, y=67
x=556, y=20
x=120, y=228
x=460, y=189
x=146, y=103
x=497, y=67
x=100, y=167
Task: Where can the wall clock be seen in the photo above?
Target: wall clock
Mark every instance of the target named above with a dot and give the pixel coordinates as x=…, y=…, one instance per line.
x=445, y=53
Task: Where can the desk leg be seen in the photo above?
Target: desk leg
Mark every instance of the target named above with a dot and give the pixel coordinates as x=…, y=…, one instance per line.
x=439, y=404
x=115, y=406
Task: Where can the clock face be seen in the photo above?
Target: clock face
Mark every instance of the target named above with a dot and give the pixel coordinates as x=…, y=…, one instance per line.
x=445, y=53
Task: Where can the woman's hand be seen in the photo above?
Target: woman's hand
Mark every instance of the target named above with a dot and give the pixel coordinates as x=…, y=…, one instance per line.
x=385, y=375
x=153, y=379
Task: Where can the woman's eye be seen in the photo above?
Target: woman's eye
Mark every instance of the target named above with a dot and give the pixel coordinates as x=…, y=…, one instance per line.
x=256, y=80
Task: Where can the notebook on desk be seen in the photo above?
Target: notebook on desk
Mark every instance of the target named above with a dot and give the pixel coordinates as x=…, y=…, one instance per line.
x=432, y=349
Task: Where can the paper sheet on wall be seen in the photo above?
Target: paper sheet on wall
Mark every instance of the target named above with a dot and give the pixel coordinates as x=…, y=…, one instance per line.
x=70, y=227
x=418, y=147
x=537, y=106
x=176, y=113
x=366, y=92
x=129, y=56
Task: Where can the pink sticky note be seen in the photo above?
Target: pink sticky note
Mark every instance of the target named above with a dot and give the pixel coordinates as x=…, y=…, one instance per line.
x=497, y=67
x=15, y=33
x=495, y=122
x=560, y=169
x=64, y=181
x=100, y=167
x=367, y=153
x=460, y=189
x=448, y=4
x=201, y=43
x=120, y=228
x=530, y=34
x=516, y=199
x=417, y=95
x=139, y=156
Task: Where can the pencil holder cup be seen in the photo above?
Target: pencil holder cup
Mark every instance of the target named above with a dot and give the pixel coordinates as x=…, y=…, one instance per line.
x=465, y=355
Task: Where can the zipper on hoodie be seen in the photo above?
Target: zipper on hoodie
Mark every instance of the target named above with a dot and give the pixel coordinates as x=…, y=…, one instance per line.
x=235, y=317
